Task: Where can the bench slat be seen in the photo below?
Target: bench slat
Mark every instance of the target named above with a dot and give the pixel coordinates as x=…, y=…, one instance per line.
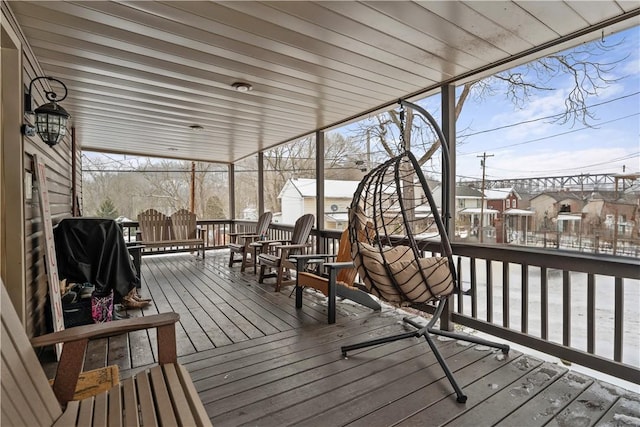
x=70, y=415
x=145, y=399
x=85, y=416
x=130, y=403
x=202, y=418
x=115, y=406
x=161, y=397
x=177, y=394
x=100, y=410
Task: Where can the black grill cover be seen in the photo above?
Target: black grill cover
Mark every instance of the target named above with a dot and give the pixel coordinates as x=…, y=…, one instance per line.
x=93, y=250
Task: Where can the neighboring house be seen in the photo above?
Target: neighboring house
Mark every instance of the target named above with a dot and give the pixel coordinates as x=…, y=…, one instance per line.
x=250, y=214
x=298, y=197
x=470, y=206
x=546, y=207
x=513, y=222
x=605, y=212
x=502, y=199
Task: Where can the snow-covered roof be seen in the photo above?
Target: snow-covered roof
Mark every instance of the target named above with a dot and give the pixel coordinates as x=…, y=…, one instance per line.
x=499, y=193
x=479, y=210
x=466, y=192
x=520, y=212
x=332, y=188
x=569, y=216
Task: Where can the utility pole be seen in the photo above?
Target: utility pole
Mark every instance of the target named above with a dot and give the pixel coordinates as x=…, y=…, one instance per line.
x=483, y=163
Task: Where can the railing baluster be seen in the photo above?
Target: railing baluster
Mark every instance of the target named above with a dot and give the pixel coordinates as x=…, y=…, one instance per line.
x=524, y=295
x=489, y=292
x=566, y=308
x=619, y=319
x=474, y=288
x=544, y=304
x=505, y=294
x=591, y=313
x=614, y=269
x=460, y=294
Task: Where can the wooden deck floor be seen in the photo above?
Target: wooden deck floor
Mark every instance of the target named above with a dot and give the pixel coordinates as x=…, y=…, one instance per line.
x=258, y=361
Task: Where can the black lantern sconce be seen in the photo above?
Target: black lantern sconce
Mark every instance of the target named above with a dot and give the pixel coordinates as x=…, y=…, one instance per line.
x=51, y=118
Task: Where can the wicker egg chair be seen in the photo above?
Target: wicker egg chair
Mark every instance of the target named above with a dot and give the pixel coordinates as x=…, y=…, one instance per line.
x=392, y=214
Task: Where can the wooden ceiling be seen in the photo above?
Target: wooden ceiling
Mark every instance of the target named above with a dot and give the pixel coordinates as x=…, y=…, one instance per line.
x=139, y=74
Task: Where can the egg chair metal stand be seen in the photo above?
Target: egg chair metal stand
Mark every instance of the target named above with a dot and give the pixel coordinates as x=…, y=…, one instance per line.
x=393, y=217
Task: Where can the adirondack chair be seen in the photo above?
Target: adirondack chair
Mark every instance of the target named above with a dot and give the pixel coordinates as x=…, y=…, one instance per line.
x=153, y=225
x=242, y=243
x=275, y=253
x=162, y=395
x=337, y=281
x=171, y=233
x=185, y=231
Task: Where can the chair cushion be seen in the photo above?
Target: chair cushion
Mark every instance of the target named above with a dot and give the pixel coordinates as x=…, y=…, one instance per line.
x=375, y=267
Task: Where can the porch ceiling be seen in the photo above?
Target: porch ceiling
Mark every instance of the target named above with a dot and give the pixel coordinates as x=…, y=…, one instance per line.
x=140, y=73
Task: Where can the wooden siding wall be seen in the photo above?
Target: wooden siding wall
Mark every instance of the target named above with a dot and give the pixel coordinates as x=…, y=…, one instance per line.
x=58, y=162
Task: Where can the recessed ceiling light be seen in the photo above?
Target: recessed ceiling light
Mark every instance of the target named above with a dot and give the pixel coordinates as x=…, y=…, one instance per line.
x=196, y=128
x=242, y=87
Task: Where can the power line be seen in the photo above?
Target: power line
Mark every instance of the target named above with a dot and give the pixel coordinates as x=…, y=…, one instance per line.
x=549, y=136
x=557, y=115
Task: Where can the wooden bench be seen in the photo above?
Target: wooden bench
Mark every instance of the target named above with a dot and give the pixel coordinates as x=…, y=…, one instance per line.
x=162, y=395
x=174, y=233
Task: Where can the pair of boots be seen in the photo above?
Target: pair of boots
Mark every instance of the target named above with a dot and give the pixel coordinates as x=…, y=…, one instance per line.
x=134, y=300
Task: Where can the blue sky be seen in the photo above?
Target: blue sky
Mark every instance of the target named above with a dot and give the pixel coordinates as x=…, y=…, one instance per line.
x=541, y=148
x=530, y=147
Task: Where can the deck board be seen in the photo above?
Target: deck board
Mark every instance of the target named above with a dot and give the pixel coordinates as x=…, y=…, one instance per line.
x=257, y=360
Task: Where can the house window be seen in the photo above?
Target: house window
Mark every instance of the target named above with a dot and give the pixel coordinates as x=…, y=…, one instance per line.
x=513, y=203
x=508, y=203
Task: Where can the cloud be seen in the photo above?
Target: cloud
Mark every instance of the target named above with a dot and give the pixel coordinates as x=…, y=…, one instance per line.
x=550, y=162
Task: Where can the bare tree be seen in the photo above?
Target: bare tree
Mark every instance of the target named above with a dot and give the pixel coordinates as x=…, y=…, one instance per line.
x=584, y=65
x=298, y=160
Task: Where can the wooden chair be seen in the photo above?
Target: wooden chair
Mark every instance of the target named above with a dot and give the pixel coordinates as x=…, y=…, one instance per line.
x=185, y=231
x=275, y=253
x=161, y=395
x=153, y=226
x=338, y=280
x=242, y=242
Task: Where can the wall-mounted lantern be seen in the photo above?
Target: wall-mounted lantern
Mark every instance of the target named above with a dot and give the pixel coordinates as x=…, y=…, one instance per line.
x=51, y=118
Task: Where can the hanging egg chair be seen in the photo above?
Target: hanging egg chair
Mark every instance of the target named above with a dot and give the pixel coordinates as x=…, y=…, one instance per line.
x=393, y=216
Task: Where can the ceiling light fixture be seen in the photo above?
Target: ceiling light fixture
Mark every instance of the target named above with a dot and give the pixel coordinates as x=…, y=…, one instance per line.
x=51, y=118
x=242, y=86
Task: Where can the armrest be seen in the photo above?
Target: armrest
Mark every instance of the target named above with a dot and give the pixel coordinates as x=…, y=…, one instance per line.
x=338, y=265
x=312, y=256
x=299, y=246
x=76, y=339
x=268, y=242
x=107, y=329
x=301, y=260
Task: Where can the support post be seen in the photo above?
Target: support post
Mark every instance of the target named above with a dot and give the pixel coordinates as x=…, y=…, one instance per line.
x=448, y=100
x=320, y=244
x=232, y=191
x=260, y=182
x=449, y=173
